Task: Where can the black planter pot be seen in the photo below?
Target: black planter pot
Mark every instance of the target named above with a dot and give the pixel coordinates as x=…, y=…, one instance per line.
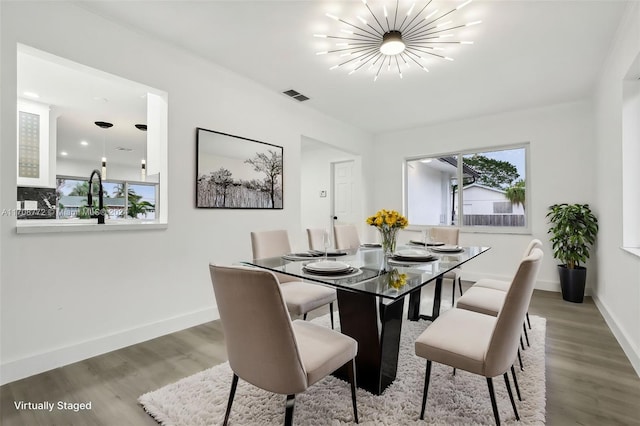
x=572, y=282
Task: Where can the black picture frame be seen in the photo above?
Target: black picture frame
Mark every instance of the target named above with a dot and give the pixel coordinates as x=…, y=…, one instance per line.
x=233, y=172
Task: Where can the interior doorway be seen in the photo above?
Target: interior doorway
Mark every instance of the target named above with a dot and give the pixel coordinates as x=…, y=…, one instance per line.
x=319, y=197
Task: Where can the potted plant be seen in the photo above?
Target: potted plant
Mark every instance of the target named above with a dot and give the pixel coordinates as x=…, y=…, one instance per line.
x=573, y=232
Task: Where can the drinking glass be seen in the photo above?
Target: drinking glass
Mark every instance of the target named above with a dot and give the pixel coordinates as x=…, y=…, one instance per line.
x=326, y=242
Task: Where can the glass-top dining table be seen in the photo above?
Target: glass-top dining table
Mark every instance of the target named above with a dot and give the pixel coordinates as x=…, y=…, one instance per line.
x=371, y=297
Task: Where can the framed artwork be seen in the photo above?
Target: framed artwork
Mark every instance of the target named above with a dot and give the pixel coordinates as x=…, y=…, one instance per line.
x=233, y=172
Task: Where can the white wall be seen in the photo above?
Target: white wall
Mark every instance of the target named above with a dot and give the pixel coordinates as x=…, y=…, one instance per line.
x=421, y=180
x=562, y=151
x=618, y=290
x=82, y=169
x=70, y=296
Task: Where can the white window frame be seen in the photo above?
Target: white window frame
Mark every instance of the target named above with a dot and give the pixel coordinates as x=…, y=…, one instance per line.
x=520, y=230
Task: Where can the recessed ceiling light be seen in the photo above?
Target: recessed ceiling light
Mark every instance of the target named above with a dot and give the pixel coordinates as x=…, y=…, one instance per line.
x=33, y=95
x=84, y=143
x=64, y=153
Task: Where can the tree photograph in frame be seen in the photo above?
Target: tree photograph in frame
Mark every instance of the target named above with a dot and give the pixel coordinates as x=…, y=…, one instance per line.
x=233, y=172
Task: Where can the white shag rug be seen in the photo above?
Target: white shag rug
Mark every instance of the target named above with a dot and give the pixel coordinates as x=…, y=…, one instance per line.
x=463, y=399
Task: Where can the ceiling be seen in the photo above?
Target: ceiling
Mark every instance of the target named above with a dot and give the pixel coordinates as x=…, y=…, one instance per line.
x=79, y=96
x=525, y=54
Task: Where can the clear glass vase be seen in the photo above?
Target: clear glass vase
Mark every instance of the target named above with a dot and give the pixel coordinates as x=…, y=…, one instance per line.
x=388, y=240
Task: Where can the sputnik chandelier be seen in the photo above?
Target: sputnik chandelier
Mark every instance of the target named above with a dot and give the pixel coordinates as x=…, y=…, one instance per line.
x=393, y=41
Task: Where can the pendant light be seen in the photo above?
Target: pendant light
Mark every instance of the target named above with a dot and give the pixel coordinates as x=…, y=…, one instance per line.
x=103, y=125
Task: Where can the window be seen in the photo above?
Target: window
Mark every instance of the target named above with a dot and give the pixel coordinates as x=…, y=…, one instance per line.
x=501, y=207
x=122, y=200
x=33, y=144
x=486, y=189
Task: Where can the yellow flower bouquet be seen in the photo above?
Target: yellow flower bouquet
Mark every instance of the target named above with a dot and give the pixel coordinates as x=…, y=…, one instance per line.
x=388, y=222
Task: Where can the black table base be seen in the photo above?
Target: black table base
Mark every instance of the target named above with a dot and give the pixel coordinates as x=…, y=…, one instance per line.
x=376, y=327
x=414, y=303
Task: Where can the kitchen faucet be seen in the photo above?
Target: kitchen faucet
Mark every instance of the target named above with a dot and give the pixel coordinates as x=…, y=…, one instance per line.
x=100, y=214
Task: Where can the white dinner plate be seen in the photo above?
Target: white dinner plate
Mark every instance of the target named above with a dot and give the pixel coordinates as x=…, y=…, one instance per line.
x=327, y=266
x=370, y=245
x=430, y=244
x=448, y=248
x=400, y=262
x=411, y=253
x=351, y=272
x=302, y=256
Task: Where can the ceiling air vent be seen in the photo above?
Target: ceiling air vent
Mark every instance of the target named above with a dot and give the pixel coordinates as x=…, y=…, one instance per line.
x=296, y=95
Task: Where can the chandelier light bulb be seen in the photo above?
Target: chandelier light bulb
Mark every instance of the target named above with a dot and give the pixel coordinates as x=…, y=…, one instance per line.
x=392, y=43
x=430, y=15
x=463, y=5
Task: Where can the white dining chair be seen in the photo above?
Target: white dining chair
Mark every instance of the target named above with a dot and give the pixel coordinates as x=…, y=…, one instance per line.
x=487, y=295
x=271, y=352
x=301, y=297
x=478, y=343
x=315, y=237
x=502, y=284
x=346, y=237
x=450, y=236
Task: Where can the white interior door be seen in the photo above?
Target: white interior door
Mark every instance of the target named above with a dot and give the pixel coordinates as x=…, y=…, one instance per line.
x=345, y=193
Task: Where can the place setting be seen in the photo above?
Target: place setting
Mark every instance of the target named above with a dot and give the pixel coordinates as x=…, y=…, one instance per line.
x=427, y=244
x=370, y=246
x=313, y=254
x=447, y=248
x=427, y=240
x=330, y=269
x=411, y=257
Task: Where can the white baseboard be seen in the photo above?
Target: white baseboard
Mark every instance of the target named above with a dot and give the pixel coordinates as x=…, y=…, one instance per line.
x=632, y=352
x=35, y=364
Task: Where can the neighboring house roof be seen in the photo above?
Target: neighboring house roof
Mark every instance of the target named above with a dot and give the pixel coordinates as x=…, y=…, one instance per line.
x=477, y=185
x=466, y=169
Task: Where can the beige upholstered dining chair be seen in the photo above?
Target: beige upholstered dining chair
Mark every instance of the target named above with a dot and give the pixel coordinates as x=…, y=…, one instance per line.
x=479, y=343
x=449, y=235
x=301, y=297
x=315, y=237
x=269, y=350
x=346, y=237
x=487, y=295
